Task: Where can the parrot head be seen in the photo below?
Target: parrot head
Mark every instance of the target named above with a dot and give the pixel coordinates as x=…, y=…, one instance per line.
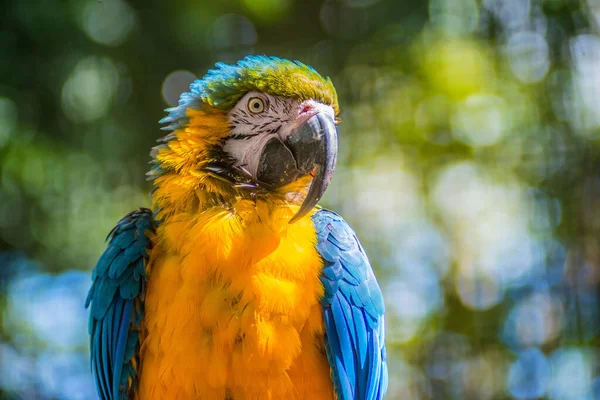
x=263, y=128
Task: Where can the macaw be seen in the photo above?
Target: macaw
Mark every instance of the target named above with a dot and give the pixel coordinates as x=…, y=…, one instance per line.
x=237, y=285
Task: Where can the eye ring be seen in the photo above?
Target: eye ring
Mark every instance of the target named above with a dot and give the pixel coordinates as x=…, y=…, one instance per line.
x=256, y=105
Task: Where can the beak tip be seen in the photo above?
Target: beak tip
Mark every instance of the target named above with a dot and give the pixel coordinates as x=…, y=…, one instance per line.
x=297, y=217
x=324, y=164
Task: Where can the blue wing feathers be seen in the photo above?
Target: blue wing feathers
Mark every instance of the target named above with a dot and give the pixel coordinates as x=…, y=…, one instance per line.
x=122, y=332
x=344, y=336
x=360, y=329
x=384, y=377
x=353, y=312
x=116, y=299
x=334, y=355
x=97, y=369
x=374, y=374
x=101, y=353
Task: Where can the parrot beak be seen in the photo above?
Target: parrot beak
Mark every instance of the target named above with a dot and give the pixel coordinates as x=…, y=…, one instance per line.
x=314, y=146
x=310, y=148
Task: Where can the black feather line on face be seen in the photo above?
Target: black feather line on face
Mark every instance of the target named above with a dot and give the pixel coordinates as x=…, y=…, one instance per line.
x=287, y=107
x=220, y=165
x=223, y=168
x=241, y=136
x=272, y=107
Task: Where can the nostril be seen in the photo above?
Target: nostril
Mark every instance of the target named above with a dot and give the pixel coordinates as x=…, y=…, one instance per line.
x=306, y=108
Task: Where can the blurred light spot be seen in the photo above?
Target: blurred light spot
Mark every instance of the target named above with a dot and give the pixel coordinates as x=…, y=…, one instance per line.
x=546, y=212
x=32, y=300
x=385, y=179
x=232, y=36
x=585, y=51
x=410, y=302
x=448, y=350
x=108, y=22
x=65, y=376
x=539, y=22
x=476, y=289
x=571, y=374
x=18, y=372
x=546, y=151
x=529, y=375
x=268, y=10
x=406, y=381
x=458, y=67
x=176, y=83
x=432, y=116
x=402, y=330
x=480, y=120
x=534, y=321
x=528, y=56
x=8, y=119
x=405, y=302
x=454, y=16
x=522, y=108
x=459, y=190
x=510, y=255
x=87, y=94
x=420, y=245
x=486, y=369
x=512, y=14
x=339, y=20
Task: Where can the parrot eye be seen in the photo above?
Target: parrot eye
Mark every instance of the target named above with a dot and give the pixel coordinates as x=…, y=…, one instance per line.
x=256, y=105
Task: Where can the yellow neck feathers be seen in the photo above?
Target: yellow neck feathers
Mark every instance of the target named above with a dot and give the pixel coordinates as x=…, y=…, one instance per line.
x=184, y=186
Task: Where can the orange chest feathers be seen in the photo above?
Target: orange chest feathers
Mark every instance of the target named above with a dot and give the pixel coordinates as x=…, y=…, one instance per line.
x=232, y=311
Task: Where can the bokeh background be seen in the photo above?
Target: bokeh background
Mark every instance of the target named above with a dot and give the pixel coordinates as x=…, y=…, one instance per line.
x=469, y=167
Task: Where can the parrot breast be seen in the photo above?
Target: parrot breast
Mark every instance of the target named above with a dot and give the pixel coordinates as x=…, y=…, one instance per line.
x=232, y=308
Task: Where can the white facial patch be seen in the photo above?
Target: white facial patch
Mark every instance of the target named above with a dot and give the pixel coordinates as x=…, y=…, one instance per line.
x=251, y=128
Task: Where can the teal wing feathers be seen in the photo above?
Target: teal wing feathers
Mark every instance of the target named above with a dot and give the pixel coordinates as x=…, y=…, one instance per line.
x=116, y=299
x=353, y=312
